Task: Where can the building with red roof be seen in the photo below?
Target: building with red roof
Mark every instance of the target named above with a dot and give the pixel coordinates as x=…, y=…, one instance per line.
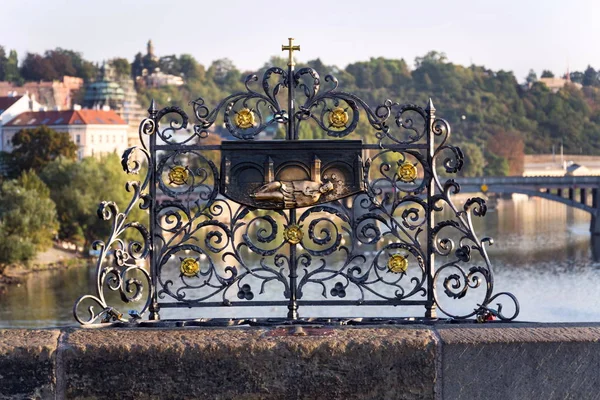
x=96, y=132
x=11, y=106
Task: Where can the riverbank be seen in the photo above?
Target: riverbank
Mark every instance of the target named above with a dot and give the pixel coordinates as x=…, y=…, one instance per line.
x=51, y=259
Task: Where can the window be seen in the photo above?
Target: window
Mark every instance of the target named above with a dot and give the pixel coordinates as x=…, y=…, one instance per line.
x=114, y=139
x=58, y=121
x=100, y=139
x=31, y=121
x=92, y=138
x=78, y=139
x=45, y=121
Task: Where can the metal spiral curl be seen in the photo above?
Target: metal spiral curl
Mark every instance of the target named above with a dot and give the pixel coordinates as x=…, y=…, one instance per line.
x=344, y=248
x=127, y=260
x=251, y=99
x=466, y=277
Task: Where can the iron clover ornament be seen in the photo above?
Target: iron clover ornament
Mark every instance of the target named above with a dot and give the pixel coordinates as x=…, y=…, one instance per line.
x=293, y=223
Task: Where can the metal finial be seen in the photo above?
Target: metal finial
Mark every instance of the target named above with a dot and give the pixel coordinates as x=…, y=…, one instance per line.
x=430, y=108
x=152, y=108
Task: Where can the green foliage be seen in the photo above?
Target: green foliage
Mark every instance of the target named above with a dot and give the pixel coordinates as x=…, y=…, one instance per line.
x=121, y=66
x=27, y=218
x=3, y=61
x=11, y=68
x=474, y=163
x=496, y=165
x=78, y=188
x=35, y=148
x=475, y=99
x=55, y=64
x=547, y=74
x=590, y=77
x=531, y=77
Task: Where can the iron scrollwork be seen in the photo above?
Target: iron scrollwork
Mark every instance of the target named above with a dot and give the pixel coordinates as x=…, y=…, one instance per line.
x=382, y=243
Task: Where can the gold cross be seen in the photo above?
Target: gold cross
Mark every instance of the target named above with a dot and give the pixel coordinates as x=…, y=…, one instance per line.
x=291, y=48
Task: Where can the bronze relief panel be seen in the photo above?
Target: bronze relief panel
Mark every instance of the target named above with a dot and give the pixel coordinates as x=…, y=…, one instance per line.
x=290, y=174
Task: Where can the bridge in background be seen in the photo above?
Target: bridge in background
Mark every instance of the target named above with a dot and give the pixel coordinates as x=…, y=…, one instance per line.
x=575, y=191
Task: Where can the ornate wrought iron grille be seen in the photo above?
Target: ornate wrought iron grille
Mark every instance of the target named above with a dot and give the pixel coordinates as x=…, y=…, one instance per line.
x=295, y=223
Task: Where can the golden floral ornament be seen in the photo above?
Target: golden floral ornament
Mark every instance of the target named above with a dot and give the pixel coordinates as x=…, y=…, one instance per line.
x=338, y=117
x=293, y=234
x=244, y=118
x=407, y=172
x=398, y=263
x=189, y=267
x=178, y=175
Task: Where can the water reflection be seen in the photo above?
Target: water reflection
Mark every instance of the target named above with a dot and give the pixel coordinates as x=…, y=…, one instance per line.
x=542, y=254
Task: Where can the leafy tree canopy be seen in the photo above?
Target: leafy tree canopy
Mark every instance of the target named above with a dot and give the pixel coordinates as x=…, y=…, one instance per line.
x=78, y=188
x=35, y=148
x=27, y=218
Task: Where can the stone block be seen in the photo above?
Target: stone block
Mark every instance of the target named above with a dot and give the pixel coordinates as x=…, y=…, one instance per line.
x=249, y=363
x=521, y=361
x=27, y=360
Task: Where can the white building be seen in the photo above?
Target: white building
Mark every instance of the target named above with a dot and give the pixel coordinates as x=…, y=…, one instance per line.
x=159, y=79
x=96, y=132
x=11, y=106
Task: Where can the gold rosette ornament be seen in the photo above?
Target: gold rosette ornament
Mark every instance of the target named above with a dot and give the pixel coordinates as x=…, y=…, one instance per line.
x=293, y=234
x=338, y=117
x=407, y=172
x=189, y=267
x=244, y=118
x=178, y=175
x=397, y=264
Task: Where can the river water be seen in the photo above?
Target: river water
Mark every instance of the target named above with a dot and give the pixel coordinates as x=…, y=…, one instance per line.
x=542, y=254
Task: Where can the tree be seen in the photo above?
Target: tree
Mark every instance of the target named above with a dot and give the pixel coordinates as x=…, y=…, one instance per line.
x=3, y=61
x=137, y=67
x=37, y=68
x=35, y=148
x=219, y=69
x=474, y=160
x=590, y=77
x=190, y=68
x=170, y=65
x=27, y=218
x=83, y=68
x=121, y=66
x=61, y=62
x=576, y=77
x=383, y=77
x=433, y=57
x=11, y=68
x=547, y=74
x=510, y=146
x=531, y=77
x=496, y=165
x=78, y=188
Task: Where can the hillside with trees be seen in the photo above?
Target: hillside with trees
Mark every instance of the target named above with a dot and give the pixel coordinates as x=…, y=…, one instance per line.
x=495, y=119
x=490, y=110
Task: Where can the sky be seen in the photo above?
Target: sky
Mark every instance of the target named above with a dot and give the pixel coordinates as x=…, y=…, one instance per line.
x=502, y=34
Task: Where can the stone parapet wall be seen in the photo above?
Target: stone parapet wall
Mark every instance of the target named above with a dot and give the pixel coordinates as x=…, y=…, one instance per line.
x=444, y=361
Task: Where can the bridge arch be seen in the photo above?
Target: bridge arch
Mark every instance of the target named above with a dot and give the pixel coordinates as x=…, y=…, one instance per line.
x=544, y=195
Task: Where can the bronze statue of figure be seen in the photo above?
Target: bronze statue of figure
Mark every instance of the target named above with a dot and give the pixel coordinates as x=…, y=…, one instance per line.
x=292, y=194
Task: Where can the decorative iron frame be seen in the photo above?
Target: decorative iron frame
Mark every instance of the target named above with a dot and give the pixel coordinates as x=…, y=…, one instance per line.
x=395, y=214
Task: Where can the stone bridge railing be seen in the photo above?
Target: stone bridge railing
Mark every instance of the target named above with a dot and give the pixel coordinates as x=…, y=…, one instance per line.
x=444, y=361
